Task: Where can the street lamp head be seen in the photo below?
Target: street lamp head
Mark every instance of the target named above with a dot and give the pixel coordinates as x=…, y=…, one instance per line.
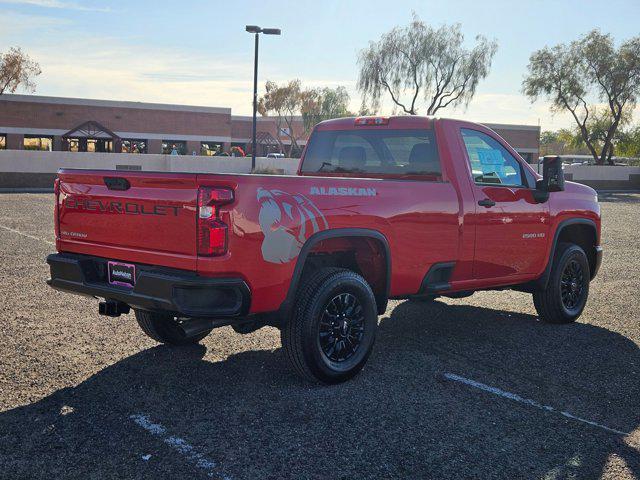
x=271, y=31
x=253, y=29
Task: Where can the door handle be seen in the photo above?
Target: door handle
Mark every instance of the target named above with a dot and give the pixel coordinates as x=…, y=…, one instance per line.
x=487, y=202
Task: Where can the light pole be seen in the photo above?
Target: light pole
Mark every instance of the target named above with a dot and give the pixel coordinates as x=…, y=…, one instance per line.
x=256, y=31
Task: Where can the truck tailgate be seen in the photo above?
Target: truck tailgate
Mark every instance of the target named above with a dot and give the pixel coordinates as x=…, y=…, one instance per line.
x=136, y=216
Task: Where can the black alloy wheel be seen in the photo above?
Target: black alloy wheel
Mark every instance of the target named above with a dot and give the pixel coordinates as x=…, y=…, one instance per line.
x=341, y=327
x=572, y=283
x=564, y=297
x=332, y=328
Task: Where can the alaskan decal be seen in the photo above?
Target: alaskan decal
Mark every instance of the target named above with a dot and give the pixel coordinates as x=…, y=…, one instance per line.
x=343, y=191
x=287, y=220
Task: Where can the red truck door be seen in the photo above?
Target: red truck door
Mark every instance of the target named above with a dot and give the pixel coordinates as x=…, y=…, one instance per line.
x=511, y=228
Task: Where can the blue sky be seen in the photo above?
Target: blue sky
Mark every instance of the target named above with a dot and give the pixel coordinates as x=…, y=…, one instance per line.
x=196, y=52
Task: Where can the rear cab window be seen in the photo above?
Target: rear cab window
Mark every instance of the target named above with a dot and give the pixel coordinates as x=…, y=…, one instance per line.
x=407, y=153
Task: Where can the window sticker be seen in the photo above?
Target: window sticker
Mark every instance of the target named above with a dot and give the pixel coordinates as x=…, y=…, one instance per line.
x=490, y=156
x=491, y=161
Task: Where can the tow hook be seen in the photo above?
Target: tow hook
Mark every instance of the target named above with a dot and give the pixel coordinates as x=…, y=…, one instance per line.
x=113, y=308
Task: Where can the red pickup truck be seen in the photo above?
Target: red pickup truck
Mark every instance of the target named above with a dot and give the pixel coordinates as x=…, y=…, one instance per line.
x=381, y=208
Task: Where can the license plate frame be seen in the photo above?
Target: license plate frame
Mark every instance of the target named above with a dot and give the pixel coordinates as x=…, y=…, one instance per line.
x=125, y=277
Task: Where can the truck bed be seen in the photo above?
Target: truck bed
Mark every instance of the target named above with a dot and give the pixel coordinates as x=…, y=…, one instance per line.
x=153, y=222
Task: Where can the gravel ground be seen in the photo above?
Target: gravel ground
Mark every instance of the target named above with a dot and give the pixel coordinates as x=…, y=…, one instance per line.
x=70, y=382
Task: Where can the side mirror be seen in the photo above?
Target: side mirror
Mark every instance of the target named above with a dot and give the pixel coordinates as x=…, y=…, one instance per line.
x=552, y=174
x=552, y=178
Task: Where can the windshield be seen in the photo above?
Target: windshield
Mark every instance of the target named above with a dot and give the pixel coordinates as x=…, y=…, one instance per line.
x=373, y=152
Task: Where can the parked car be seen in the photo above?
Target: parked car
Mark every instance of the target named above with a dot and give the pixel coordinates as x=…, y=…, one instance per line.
x=381, y=208
x=275, y=155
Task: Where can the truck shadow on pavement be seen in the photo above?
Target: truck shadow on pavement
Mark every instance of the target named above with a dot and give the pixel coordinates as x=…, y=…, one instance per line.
x=400, y=418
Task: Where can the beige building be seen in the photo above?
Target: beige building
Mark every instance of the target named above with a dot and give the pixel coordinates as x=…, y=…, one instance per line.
x=72, y=124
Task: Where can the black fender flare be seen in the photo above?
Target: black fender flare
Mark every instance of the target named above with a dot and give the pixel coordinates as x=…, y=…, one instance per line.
x=543, y=280
x=381, y=300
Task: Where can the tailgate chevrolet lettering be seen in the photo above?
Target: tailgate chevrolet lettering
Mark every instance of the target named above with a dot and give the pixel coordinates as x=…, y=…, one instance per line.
x=113, y=206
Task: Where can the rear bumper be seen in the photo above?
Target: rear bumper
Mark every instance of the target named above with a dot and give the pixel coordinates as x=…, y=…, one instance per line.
x=161, y=289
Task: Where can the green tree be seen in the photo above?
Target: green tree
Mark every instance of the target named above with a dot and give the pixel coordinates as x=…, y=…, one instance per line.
x=629, y=143
x=561, y=142
x=599, y=130
x=17, y=70
x=419, y=64
x=548, y=137
x=320, y=104
x=591, y=67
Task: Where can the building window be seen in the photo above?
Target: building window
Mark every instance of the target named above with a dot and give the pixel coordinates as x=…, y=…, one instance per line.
x=210, y=148
x=73, y=145
x=174, y=147
x=3, y=142
x=36, y=142
x=99, y=145
x=131, y=145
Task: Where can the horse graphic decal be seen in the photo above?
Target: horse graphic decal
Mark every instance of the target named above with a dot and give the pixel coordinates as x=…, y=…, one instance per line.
x=287, y=221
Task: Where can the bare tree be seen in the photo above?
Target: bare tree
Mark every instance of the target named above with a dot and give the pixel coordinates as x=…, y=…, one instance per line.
x=572, y=74
x=418, y=63
x=288, y=101
x=284, y=101
x=17, y=70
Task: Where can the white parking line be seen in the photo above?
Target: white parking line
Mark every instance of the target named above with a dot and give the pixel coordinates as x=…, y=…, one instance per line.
x=532, y=403
x=13, y=230
x=178, y=444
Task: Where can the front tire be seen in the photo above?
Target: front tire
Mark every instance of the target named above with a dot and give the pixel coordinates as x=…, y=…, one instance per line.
x=164, y=328
x=331, y=332
x=567, y=291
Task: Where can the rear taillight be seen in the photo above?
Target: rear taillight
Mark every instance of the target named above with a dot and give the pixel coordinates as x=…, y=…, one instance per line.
x=371, y=121
x=212, y=231
x=56, y=208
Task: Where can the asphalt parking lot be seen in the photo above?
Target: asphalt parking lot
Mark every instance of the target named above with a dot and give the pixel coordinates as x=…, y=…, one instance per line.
x=472, y=388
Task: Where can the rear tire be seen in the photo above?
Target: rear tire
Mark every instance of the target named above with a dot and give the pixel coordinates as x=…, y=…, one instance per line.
x=332, y=329
x=164, y=328
x=567, y=291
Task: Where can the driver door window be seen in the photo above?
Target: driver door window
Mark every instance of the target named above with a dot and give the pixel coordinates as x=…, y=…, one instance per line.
x=490, y=162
